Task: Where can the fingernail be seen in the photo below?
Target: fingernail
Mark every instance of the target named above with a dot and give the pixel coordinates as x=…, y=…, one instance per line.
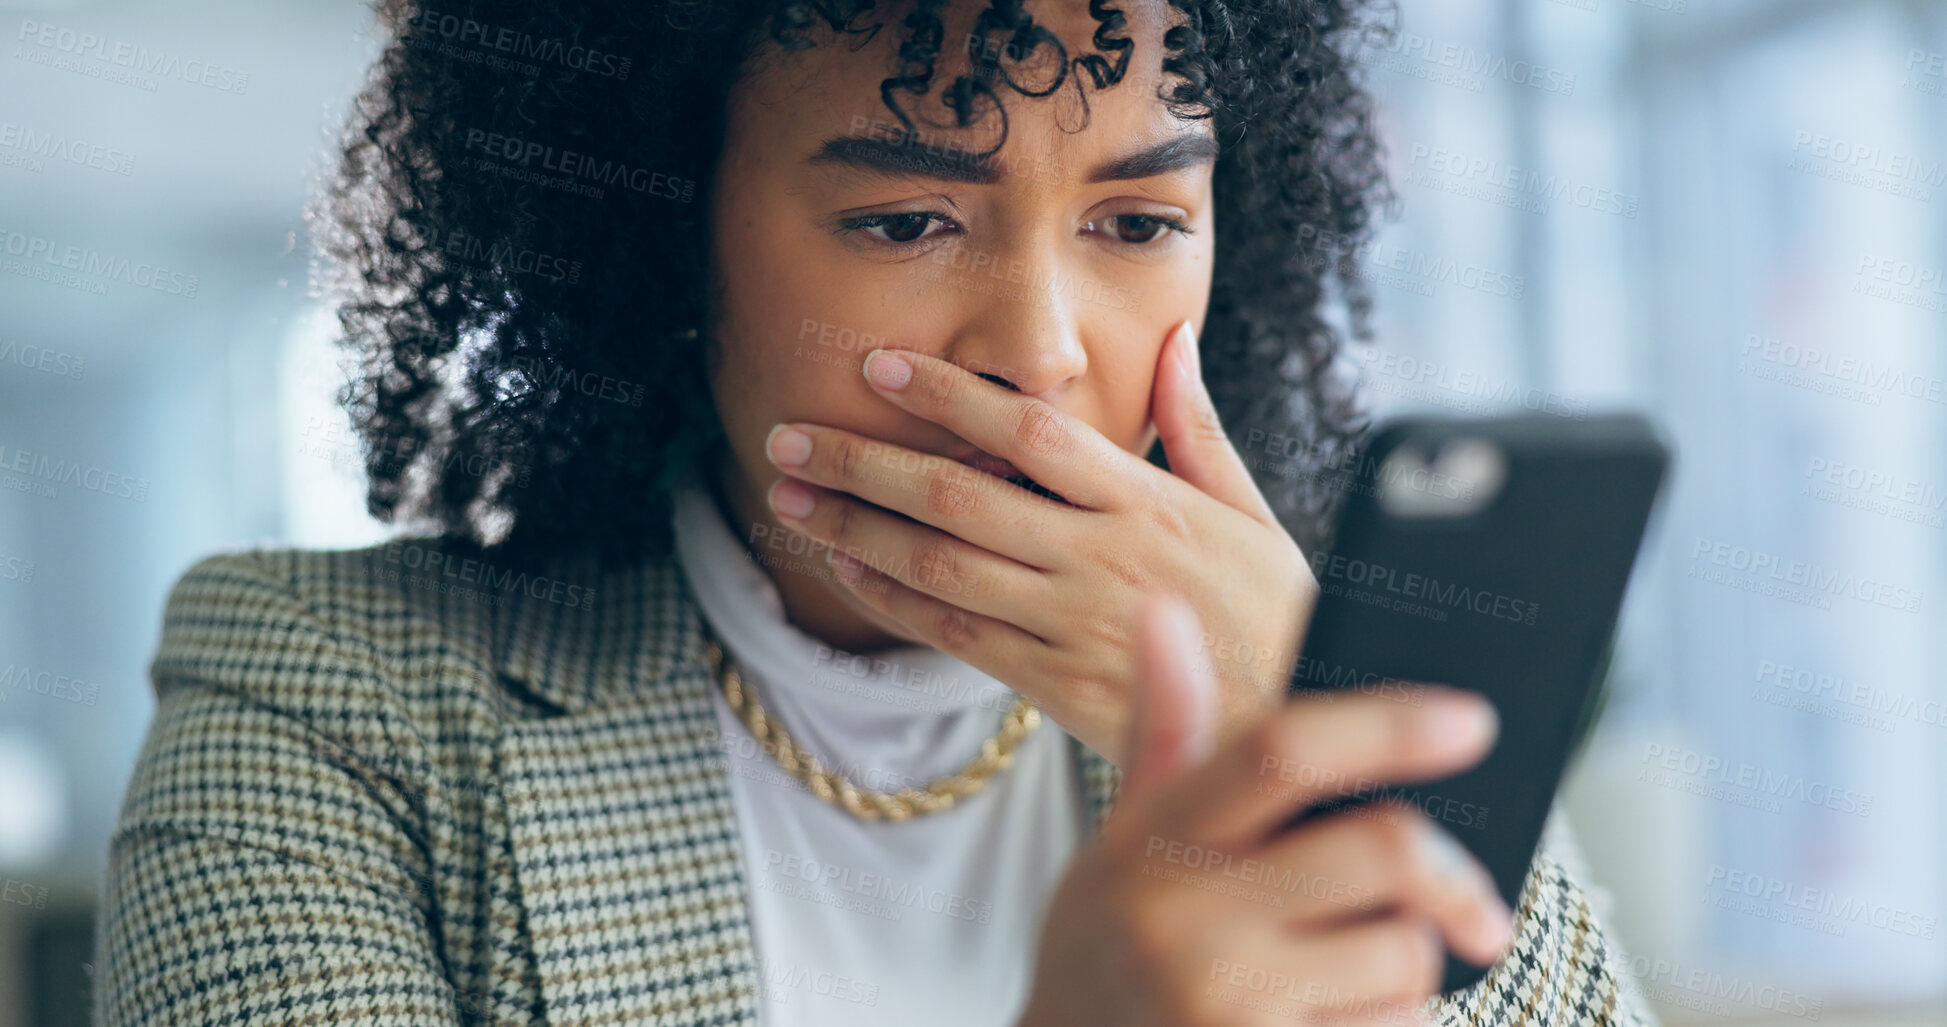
x=1192, y=361
x=790, y=499
x=888, y=370
x=787, y=446
x=1456, y=720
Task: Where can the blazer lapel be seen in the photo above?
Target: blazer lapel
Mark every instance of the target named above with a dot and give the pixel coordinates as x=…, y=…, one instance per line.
x=624, y=837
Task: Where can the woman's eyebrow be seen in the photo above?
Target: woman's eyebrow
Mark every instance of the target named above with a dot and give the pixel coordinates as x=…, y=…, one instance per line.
x=891, y=159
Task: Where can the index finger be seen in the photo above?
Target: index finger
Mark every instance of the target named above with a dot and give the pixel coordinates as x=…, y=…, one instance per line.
x=1059, y=450
x=1316, y=748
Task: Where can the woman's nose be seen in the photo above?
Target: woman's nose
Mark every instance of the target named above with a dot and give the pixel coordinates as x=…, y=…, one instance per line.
x=1021, y=358
x=1021, y=345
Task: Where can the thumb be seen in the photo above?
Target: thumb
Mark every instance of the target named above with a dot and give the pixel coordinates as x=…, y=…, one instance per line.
x=1193, y=438
x=1174, y=724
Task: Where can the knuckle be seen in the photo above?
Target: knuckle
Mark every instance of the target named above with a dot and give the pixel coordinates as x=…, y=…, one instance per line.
x=953, y=494
x=1207, y=422
x=954, y=628
x=844, y=524
x=1169, y=517
x=1083, y=679
x=937, y=389
x=1123, y=567
x=1159, y=507
x=1108, y=632
x=1038, y=430
x=847, y=459
x=935, y=564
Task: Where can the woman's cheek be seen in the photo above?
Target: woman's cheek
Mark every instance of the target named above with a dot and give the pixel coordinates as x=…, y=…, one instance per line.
x=826, y=342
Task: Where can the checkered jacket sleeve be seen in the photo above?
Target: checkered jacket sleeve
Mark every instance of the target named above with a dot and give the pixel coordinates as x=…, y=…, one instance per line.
x=260, y=872
x=1564, y=969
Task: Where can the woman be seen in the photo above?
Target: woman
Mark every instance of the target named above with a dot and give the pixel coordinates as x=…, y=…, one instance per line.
x=775, y=382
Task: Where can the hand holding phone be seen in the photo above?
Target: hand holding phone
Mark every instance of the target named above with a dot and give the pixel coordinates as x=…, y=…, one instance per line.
x=1191, y=908
x=1489, y=555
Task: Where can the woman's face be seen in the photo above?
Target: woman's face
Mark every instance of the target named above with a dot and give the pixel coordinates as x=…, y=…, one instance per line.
x=1054, y=267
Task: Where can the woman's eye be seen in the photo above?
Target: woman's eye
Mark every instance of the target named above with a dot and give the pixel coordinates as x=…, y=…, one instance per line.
x=898, y=229
x=907, y=228
x=1141, y=229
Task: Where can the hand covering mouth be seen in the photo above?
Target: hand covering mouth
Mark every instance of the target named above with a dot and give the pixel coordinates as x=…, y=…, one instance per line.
x=988, y=463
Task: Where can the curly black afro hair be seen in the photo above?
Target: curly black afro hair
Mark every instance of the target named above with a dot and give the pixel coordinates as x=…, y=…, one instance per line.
x=530, y=335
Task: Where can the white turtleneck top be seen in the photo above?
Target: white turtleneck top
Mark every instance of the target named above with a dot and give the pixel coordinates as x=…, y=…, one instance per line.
x=928, y=921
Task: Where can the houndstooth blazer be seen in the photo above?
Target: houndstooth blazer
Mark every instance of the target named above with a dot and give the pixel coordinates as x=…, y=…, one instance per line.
x=393, y=786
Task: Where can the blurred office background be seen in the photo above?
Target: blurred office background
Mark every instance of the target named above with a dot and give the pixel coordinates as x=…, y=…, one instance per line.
x=1731, y=213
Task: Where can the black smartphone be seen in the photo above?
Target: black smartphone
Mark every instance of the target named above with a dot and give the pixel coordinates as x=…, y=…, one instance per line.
x=1489, y=555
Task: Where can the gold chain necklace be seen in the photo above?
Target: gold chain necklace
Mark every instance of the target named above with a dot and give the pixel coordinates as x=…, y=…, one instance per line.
x=996, y=753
